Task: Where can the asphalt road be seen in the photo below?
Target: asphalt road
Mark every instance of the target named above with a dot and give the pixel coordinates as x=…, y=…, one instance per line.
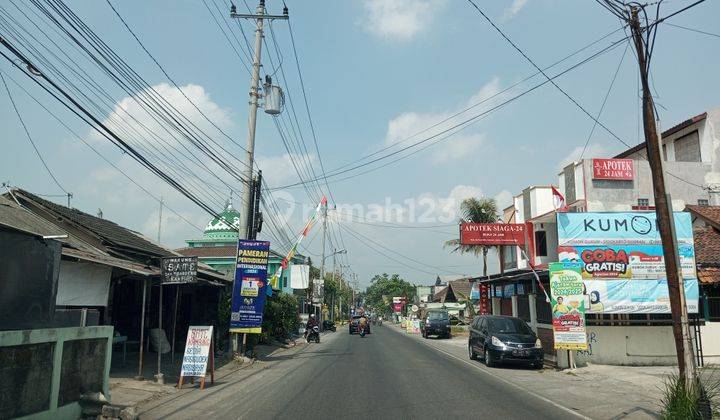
x=385, y=375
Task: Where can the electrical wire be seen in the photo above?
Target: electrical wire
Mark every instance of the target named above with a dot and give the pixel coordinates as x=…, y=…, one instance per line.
x=30, y=139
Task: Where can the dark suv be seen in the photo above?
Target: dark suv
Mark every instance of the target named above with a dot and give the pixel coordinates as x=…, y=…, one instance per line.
x=501, y=339
x=436, y=322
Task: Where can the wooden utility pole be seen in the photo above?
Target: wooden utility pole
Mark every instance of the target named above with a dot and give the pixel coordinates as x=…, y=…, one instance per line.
x=663, y=209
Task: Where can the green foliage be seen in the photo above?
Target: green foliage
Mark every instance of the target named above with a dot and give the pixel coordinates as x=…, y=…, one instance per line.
x=280, y=318
x=475, y=210
x=388, y=286
x=691, y=402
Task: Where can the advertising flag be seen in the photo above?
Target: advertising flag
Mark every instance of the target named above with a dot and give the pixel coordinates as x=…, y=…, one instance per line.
x=248, y=297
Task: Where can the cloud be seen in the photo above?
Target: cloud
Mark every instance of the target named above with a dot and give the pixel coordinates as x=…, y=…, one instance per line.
x=398, y=20
x=279, y=169
x=593, y=150
x=514, y=8
x=411, y=125
x=503, y=199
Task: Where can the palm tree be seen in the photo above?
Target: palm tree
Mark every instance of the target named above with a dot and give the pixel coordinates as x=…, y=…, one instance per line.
x=475, y=210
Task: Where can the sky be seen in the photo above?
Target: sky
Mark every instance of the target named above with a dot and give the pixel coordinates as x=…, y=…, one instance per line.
x=375, y=73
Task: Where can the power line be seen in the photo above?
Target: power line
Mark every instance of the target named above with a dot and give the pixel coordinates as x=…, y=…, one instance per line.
x=29, y=137
x=693, y=30
x=607, y=95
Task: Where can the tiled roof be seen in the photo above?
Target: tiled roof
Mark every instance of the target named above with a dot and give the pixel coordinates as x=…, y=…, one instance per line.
x=461, y=289
x=16, y=217
x=707, y=246
x=710, y=213
x=112, y=233
x=209, y=252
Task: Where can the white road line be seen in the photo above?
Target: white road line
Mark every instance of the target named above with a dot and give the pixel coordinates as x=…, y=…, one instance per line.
x=501, y=379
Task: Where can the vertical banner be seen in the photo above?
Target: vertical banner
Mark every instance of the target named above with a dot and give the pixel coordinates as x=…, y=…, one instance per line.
x=484, y=299
x=568, y=306
x=248, y=298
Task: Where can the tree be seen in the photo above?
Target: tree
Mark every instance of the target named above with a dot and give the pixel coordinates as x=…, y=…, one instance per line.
x=383, y=288
x=475, y=210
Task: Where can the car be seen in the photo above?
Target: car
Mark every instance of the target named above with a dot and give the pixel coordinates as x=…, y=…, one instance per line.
x=435, y=322
x=499, y=339
x=353, y=325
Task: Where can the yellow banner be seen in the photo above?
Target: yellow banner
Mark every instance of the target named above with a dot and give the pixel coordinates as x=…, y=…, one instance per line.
x=257, y=330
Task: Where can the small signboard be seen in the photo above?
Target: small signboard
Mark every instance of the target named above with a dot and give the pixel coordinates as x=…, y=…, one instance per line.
x=199, y=355
x=179, y=270
x=614, y=169
x=568, y=306
x=492, y=233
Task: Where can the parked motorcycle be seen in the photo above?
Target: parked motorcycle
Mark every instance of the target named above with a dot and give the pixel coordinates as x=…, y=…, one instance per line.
x=314, y=334
x=329, y=325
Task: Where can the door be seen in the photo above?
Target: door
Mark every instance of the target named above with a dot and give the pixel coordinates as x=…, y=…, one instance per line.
x=472, y=335
x=482, y=335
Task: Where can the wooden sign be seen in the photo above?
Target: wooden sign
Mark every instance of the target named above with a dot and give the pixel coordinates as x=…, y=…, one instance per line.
x=179, y=270
x=199, y=357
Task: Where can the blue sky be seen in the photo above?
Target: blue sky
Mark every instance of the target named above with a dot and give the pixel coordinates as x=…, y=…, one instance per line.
x=375, y=72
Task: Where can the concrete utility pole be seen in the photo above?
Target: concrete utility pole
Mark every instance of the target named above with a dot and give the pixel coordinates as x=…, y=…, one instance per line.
x=160, y=219
x=247, y=203
x=322, y=263
x=663, y=209
x=260, y=17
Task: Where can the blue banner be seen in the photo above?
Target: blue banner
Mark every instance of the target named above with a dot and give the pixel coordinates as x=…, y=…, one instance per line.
x=249, y=288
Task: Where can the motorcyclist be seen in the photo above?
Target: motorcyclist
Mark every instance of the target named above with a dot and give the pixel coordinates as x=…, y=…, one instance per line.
x=312, y=322
x=362, y=322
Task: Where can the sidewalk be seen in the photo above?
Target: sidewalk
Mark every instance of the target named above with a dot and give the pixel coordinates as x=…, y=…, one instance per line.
x=127, y=392
x=595, y=391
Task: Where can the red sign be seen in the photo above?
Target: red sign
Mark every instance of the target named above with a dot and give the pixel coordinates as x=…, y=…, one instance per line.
x=484, y=299
x=615, y=169
x=397, y=306
x=492, y=234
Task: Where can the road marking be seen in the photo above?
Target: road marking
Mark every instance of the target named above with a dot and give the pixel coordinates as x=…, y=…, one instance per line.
x=480, y=368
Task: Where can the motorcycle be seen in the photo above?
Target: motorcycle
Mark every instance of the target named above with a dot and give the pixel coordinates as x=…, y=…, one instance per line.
x=329, y=325
x=314, y=334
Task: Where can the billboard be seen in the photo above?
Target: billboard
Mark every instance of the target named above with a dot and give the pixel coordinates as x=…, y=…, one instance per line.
x=614, y=169
x=622, y=262
x=567, y=299
x=492, y=234
x=248, y=298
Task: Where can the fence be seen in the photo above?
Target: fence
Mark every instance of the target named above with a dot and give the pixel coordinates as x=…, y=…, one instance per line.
x=45, y=371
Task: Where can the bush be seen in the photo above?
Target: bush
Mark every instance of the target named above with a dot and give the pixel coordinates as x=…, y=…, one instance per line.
x=280, y=319
x=693, y=402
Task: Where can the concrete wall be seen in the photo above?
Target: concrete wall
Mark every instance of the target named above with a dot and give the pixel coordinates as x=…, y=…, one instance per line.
x=642, y=345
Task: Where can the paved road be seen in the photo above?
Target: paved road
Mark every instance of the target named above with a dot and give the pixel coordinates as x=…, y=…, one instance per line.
x=385, y=375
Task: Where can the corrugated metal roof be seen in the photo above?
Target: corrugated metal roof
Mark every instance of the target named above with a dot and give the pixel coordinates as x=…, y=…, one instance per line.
x=18, y=218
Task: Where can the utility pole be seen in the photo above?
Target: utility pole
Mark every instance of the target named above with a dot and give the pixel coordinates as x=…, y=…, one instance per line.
x=322, y=264
x=260, y=17
x=247, y=203
x=663, y=209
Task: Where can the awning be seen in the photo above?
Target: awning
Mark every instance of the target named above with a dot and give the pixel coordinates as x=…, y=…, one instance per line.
x=111, y=261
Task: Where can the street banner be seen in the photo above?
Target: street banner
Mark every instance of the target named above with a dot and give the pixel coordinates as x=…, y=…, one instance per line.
x=179, y=270
x=568, y=306
x=613, y=169
x=197, y=351
x=622, y=260
x=637, y=296
x=248, y=298
x=299, y=276
x=492, y=233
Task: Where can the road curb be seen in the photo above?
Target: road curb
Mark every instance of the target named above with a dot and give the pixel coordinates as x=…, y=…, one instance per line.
x=501, y=379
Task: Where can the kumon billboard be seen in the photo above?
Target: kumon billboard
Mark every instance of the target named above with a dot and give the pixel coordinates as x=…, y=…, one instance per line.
x=492, y=234
x=622, y=262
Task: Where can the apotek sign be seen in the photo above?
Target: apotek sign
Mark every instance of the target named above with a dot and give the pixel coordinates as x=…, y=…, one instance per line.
x=614, y=169
x=492, y=234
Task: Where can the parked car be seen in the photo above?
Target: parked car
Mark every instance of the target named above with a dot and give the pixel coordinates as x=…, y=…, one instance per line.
x=435, y=322
x=353, y=326
x=498, y=339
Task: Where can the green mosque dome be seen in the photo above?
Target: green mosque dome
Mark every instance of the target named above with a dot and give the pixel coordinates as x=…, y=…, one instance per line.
x=225, y=226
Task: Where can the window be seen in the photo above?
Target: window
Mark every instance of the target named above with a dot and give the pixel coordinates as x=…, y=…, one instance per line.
x=687, y=148
x=664, y=150
x=509, y=257
x=643, y=202
x=703, y=202
x=541, y=243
